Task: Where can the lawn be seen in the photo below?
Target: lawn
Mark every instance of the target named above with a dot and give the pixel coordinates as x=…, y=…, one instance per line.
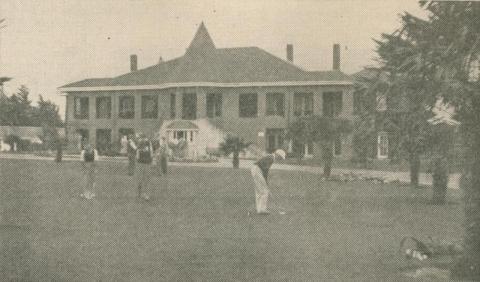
x=197, y=228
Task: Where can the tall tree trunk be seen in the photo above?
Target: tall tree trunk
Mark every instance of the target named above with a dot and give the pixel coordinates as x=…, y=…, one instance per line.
x=414, y=160
x=327, y=159
x=468, y=267
x=59, y=156
x=440, y=180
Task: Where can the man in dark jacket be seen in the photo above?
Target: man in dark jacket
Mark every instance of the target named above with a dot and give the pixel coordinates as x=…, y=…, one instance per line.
x=143, y=166
x=260, y=176
x=162, y=156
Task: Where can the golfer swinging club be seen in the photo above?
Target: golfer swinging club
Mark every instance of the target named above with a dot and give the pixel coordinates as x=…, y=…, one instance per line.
x=260, y=175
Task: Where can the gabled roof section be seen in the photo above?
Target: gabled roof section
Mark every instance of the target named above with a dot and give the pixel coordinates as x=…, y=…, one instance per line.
x=91, y=82
x=369, y=74
x=182, y=124
x=202, y=43
x=205, y=65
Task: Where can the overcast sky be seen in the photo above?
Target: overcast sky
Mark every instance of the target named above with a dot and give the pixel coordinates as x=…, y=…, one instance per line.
x=49, y=43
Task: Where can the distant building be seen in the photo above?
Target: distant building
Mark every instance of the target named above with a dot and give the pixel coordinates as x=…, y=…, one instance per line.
x=207, y=93
x=34, y=135
x=376, y=105
x=385, y=143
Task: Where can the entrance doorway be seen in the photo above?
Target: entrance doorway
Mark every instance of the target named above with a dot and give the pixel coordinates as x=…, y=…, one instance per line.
x=122, y=132
x=83, y=138
x=275, y=139
x=104, y=140
x=382, y=145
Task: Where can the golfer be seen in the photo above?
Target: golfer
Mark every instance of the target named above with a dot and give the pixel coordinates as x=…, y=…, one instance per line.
x=260, y=175
x=162, y=156
x=88, y=157
x=143, y=166
x=131, y=153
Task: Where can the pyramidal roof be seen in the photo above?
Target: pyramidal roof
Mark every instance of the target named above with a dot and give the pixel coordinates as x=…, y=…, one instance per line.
x=204, y=64
x=202, y=42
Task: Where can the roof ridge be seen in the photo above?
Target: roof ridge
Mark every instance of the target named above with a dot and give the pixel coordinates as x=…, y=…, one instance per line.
x=279, y=58
x=243, y=47
x=149, y=67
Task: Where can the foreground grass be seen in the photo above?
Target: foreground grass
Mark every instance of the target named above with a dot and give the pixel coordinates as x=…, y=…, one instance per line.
x=197, y=228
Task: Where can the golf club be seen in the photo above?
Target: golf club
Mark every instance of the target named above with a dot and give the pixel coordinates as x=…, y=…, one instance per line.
x=275, y=205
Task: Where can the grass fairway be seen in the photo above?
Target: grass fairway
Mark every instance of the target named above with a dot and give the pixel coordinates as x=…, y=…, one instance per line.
x=197, y=228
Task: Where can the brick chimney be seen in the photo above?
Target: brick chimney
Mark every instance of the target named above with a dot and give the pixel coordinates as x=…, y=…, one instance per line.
x=336, y=56
x=133, y=62
x=290, y=52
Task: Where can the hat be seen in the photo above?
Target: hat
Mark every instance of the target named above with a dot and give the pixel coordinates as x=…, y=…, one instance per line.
x=281, y=153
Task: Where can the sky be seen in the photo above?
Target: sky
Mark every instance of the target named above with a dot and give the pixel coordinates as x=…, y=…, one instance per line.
x=49, y=43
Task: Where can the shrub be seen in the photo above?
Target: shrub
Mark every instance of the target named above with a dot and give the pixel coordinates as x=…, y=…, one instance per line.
x=216, y=152
x=201, y=159
x=11, y=139
x=234, y=145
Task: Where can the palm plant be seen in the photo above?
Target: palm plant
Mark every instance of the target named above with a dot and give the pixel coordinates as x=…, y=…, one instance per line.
x=234, y=145
x=323, y=130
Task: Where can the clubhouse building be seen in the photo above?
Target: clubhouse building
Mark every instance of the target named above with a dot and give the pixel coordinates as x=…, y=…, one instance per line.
x=207, y=93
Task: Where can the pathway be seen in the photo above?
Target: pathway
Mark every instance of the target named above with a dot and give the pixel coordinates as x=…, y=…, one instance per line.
x=425, y=178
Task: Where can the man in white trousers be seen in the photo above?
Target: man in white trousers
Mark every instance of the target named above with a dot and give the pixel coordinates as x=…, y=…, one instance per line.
x=260, y=176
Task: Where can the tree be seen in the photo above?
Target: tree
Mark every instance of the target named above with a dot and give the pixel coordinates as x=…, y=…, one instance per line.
x=407, y=96
x=412, y=132
x=364, y=130
x=17, y=110
x=13, y=141
x=46, y=113
x=441, y=53
x=441, y=142
x=323, y=130
x=234, y=145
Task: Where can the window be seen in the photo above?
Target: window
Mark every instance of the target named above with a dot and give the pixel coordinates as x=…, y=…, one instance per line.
x=81, y=107
x=332, y=104
x=303, y=150
x=104, y=107
x=104, y=140
x=214, y=105
x=149, y=106
x=173, y=106
x=275, y=104
x=189, y=106
x=381, y=102
x=187, y=135
x=338, y=146
x=303, y=104
x=309, y=148
x=126, y=107
x=474, y=72
x=382, y=145
x=358, y=106
x=275, y=139
x=125, y=132
x=83, y=137
x=247, y=105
